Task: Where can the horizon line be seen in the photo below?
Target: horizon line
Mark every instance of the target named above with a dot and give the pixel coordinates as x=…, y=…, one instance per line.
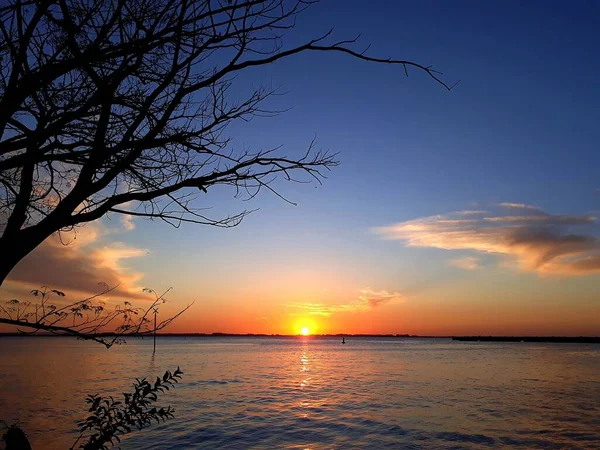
x=387, y=335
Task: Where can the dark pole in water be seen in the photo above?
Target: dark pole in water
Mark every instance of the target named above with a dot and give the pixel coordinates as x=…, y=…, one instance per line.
x=154, y=351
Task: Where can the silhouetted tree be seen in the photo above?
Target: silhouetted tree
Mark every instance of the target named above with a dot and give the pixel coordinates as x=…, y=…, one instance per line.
x=121, y=106
x=89, y=319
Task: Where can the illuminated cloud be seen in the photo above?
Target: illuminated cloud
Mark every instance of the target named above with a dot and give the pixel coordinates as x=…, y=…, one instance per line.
x=521, y=206
x=368, y=299
x=466, y=263
x=127, y=222
x=377, y=298
x=317, y=309
x=538, y=241
x=80, y=264
x=470, y=212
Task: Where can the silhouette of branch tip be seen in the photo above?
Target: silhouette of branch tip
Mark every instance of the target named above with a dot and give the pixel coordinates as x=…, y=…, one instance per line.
x=87, y=319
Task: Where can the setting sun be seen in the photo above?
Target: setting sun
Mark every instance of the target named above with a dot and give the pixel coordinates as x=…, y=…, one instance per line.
x=305, y=331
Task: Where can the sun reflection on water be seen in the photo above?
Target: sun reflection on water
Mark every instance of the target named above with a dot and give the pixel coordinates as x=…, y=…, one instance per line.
x=304, y=403
x=304, y=367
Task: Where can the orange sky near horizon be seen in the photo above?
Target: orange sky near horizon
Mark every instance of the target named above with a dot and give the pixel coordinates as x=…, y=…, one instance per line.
x=283, y=299
x=419, y=316
x=423, y=314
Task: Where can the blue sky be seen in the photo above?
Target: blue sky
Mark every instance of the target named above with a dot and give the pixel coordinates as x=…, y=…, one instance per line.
x=520, y=127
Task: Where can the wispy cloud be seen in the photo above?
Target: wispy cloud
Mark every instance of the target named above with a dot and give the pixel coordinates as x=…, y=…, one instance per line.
x=317, y=309
x=539, y=241
x=470, y=212
x=376, y=298
x=521, y=206
x=466, y=263
x=367, y=300
x=127, y=222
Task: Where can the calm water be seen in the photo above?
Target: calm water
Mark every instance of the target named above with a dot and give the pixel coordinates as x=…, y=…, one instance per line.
x=315, y=393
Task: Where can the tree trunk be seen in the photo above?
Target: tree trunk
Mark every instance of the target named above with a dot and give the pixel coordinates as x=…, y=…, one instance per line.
x=16, y=246
x=11, y=255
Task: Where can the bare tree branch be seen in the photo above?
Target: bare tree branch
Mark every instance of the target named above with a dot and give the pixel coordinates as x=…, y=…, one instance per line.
x=88, y=319
x=105, y=103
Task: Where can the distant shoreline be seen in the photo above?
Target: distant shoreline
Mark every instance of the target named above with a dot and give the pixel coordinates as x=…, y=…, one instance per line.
x=518, y=339
x=218, y=335
x=545, y=339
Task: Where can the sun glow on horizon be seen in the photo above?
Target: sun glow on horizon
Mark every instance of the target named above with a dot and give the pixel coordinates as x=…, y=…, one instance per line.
x=305, y=331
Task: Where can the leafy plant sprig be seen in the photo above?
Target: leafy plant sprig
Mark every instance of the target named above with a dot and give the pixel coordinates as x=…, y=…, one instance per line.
x=111, y=418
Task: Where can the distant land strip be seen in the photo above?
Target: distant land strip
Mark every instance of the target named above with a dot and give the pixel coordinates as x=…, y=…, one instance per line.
x=550, y=339
x=209, y=335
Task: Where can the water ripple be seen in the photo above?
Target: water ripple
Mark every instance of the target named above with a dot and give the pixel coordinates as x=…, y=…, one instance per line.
x=315, y=394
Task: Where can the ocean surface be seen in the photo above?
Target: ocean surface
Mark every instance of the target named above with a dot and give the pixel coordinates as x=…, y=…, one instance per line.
x=315, y=393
